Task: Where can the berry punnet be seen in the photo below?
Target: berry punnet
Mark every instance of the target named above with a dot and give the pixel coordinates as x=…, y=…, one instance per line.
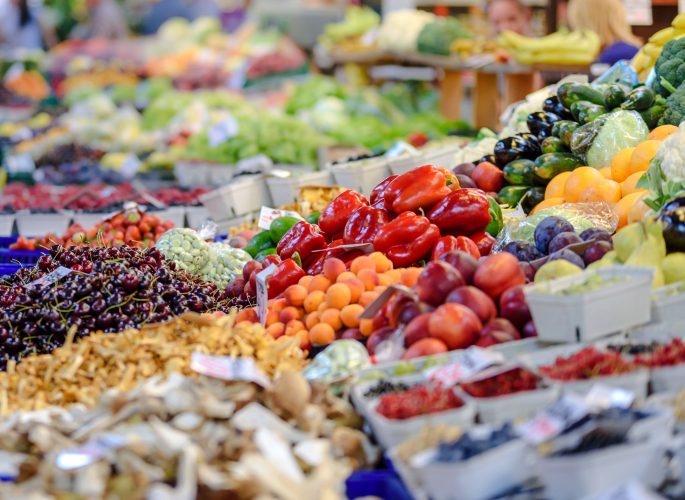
x=108, y=289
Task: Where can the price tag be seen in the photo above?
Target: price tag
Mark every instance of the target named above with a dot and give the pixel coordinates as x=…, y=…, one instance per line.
x=601, y=397
x=493, y=371
x=20, y=163
x=466, y=364
x=267, y=215
x=554, y=419
x=399, y=148
x=263, y=292
x=81, y=456
x=228, y=368
x=362, y=247
x=378, y=303
x=52, y=278
x=221, y=132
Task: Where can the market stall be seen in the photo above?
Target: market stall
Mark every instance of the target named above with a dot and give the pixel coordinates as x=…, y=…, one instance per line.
x=330, y=289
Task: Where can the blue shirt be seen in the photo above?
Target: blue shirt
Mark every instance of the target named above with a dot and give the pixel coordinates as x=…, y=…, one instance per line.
x=617, y=52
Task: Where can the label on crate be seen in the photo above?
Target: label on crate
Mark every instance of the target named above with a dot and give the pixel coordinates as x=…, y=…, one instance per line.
x=228, y=368
x=53, y=277
x=267, y=215
x=602, y=397
x=554, y=419
x=263, y=292
x=222, y=131
x=400, y=148
x=81, y=456
x=465, y=364
x=362, y=247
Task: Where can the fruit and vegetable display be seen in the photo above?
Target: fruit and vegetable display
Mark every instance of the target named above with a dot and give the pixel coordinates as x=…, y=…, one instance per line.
x=89, y=289
x=122, y=361
x=417, y=400
x=455, y=306
x=587, y=363
x=562, y=47
x=130, y=227
x=187, y=437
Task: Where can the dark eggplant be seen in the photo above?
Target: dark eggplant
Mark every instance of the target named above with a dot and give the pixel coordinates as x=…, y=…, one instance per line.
x=540, y=123
x=552, y=105
x=531, y=198
x=517, y=147
x=532, y=146
x=491, y=159
x=672, y=217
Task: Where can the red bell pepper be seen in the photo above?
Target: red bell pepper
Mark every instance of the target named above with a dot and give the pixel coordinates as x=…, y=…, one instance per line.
x=364, y=224
x=334, y=217
x=464, y=210
x=335, y=249
x=407, y=239
x=484, y=241
x=286, y=273
x=377, y=197
x=303, y=238
x=452, y=243
x=420, y=188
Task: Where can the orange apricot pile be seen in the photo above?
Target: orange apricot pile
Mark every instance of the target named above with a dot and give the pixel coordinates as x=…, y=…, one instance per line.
x=615, y=184
x=322, y=308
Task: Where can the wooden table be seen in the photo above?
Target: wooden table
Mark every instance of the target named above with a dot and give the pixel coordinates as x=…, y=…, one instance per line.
x=496, y=85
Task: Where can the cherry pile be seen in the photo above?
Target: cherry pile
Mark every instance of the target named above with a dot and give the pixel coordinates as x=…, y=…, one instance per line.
x=109, y=289
x=669, y=354
x=587, y=363
x=516, y=380
x=417, y=400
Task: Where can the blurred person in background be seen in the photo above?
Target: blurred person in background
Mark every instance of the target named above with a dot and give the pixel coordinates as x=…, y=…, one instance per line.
x=19, y=26
x=105, y=20
x=607, y=18
x=508, y=15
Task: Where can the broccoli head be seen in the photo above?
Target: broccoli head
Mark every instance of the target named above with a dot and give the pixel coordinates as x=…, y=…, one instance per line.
x=670, y=66
x=674, y=112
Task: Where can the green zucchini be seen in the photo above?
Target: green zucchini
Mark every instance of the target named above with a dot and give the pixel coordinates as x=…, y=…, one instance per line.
x=614, y=95
x=553, y=145
x=564, y=129
x=549, y=165
x=585, y=111
x=571, y=92
x=653, y=114
x=639, y=99
x=519, y=172
x=511, y=195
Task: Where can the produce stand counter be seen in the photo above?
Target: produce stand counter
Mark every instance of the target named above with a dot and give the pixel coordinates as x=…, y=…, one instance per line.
x=519, y=80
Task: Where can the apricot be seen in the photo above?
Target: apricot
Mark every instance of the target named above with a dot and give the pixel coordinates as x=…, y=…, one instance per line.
x=338, y=296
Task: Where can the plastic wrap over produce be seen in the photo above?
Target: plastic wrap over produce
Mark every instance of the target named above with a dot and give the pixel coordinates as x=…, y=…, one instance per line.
x=338, y=361
x=581, y=215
